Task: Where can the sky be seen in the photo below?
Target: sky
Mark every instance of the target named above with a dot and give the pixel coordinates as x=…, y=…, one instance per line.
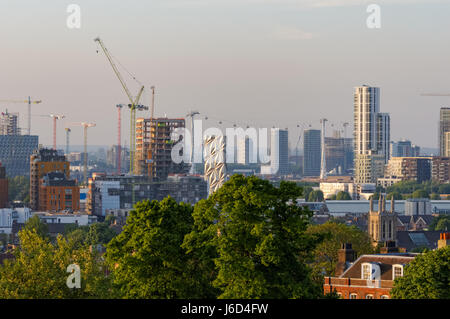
x=261, y=63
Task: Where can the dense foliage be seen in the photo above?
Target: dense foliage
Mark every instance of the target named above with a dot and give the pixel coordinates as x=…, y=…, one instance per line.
x=426, y=277
x=19, y=189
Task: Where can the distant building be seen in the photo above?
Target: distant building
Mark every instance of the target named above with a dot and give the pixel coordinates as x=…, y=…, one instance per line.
x=339, y=155
x=279, y=152
x=414, y=222
x=311, y=152
x=57, y=193
x=440, y=169
x=42, y=162
x=15, y=152
x=371, y=135
x=109, y=193
x=417, y=206
x=444, y=127
x=3, y=187
x=10, y=216
x=368, y=168
x=76, y=218
x=404, y=148
x=409, y=168
x=9, y=123
x=154, y=145
x=245, y=151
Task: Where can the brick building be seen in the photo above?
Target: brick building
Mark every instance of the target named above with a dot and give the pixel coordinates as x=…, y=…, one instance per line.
x=409, y=168
x=57, y=193
x=42, y=162
x=369, y=276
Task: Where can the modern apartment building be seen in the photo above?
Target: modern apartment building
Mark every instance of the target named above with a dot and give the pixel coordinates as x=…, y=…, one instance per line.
x=279, y=152
x=404, y=148
x=57, y=193
x=371, y=135
x=154, y=147
x=440, y=169
x=9, y=123
x=42, y=162
x=15, y=152
x=409, y=168
x=311, y=152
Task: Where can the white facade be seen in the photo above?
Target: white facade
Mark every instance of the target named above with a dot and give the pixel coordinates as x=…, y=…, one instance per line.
x=59, y=218
x=9, y=215
x=246, y=151
x=419, y=206
x=366, y=107
x=110, y=195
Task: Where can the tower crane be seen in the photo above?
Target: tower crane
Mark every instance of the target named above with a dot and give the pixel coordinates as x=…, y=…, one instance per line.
x=29, y=102
x=55, y=118
x=85, y=127
x=132, y=106
x=192, y=115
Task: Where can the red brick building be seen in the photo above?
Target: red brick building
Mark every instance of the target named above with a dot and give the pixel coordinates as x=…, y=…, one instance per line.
x=370, y=276
x=57, y=193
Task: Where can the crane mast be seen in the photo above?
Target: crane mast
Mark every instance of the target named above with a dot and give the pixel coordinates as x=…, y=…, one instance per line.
x=132, y=106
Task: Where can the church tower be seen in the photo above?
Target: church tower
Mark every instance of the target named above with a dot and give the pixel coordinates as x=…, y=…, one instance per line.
x=382, y=224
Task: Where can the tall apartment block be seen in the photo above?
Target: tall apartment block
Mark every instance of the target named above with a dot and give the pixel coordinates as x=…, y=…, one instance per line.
x=371, y=135
x=9, y=123
x=311, y=152
x=444, y=127
x=154, y=147
x=42, y=162
x=3, y=187
x=245, y=151
x=279, y=152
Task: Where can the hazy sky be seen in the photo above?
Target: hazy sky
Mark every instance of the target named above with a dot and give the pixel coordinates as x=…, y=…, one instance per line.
x=249, y=62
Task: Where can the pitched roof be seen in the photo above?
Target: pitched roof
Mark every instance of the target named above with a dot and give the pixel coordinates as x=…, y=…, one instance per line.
x=417, y=239
x=386, y=261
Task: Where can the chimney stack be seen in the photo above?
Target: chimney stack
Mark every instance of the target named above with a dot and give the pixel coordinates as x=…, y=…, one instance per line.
x=444, y=240
x=346, y=255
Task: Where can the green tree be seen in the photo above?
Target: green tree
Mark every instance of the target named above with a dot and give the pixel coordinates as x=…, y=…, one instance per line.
x=396, y=195
x=334, y=234
x=147, y=257
x=420, y=193
x=315, y=196
x=426, y=277
x=39, y=270
x=332, y=197
x=19, y=189
x=35, y=224
x=343, y=196
x=435, y=196
x=257, y=238
x=440, y=223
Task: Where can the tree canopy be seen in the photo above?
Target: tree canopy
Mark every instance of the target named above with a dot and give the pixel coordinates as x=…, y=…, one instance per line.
x=257, y=238
x=426, y=277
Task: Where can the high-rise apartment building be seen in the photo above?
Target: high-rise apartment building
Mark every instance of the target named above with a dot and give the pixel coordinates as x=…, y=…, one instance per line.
x=9, y=123
x=15, y=152
x=245, y=151
x=440, y=169
x=279, y=152
x=154, y=147
x=371, y=135
x=311, y=152
x=444, y=126
x=42, y=162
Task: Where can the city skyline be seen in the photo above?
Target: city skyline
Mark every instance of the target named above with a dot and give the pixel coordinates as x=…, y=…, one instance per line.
x=207, y=56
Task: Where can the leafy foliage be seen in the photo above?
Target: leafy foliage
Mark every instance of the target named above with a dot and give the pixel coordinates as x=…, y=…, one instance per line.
x=257, y=238
x=19, y=189
x=315, y=196
x=335, y=234
x=147, y=257
x=39, y=270
x=426, y=277
x=440, y=223
x=343, y=196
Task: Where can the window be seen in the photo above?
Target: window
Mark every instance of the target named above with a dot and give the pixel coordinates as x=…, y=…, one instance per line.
x=397, y=271
x=339, y=295
x=353, y=296
x=384, y=297
x=366, y=271
x=369, y=296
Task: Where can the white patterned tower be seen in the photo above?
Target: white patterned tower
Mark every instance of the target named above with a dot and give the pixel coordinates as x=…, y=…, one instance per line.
x=215, y=166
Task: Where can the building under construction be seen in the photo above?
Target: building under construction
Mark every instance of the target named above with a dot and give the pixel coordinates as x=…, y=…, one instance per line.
x=154, y=147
